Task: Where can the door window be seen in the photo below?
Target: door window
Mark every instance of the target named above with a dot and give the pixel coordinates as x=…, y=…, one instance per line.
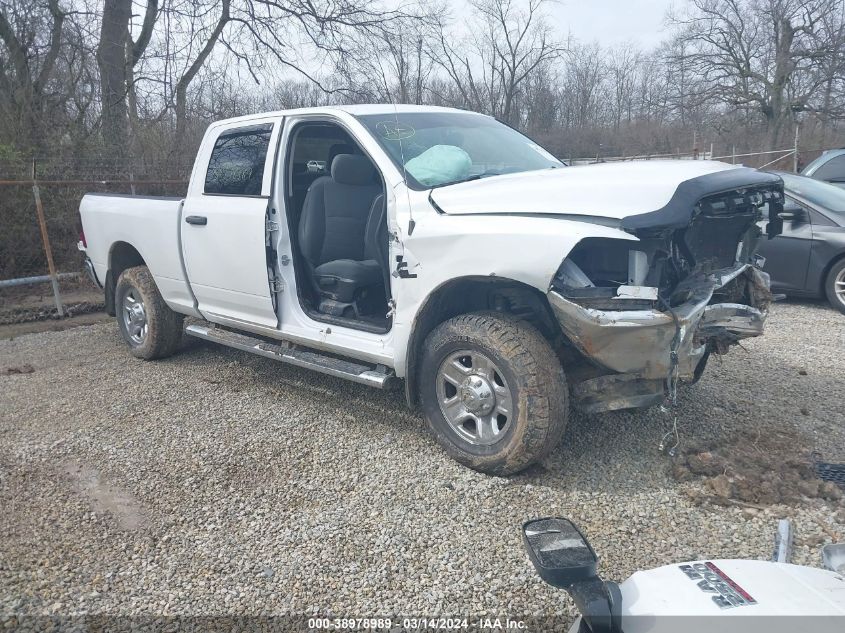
x=833, y=170
x=236, y=166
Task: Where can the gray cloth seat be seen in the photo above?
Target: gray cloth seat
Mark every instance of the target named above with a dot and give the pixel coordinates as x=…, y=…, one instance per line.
x=333, y=228
x=349, y=271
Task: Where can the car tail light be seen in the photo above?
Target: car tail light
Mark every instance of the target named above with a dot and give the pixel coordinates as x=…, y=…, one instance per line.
x=82, y=238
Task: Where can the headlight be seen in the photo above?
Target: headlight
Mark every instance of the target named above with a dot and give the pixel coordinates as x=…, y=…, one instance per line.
x=607, y=274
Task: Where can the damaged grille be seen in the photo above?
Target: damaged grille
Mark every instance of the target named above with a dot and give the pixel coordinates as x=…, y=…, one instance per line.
x=720, y=227
x=696, y=235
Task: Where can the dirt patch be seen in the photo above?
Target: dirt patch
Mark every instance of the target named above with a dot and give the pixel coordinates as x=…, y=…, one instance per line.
x=105, y=498
x=14, y=330
x=754, y=468
x=19, y=369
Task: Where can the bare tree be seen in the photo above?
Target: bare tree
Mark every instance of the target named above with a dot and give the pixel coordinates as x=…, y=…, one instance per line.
x=144, y=77
x=117, y=55
x=32, y=37
x=492, y=65
x=395, y=66
x=761, y=54
x=257, y=36
x=622, y=64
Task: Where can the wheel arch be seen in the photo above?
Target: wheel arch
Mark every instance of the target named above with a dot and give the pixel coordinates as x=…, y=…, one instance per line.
x=826, y=271
x=462, y=295
x=122, y=255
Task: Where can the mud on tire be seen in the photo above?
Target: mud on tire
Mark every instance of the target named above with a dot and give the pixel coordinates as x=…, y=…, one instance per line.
x=525, y=365
x=163, y=332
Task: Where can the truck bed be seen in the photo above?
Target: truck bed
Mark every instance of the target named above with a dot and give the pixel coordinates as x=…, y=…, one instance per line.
x=151, y=224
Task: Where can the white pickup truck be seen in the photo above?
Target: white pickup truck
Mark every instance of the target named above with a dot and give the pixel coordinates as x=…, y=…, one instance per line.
x=379, y=243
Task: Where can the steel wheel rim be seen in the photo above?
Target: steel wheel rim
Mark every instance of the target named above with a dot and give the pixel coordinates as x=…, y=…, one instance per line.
x=839, y=286
x=134, y=317
x=474, y=397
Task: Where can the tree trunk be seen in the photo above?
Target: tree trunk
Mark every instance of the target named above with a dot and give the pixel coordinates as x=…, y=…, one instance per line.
x=111, y=60
x=188, y=77
x=28, y=89
x=778, y=104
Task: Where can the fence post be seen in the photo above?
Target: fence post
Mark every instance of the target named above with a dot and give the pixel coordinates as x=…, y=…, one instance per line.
x=45, y=238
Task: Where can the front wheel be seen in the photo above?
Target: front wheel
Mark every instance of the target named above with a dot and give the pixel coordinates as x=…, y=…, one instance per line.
x=834, y=285
x=493, y=392
x=149, y=327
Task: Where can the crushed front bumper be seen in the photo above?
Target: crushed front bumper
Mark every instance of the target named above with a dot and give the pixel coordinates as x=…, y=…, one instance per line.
x=642, y=349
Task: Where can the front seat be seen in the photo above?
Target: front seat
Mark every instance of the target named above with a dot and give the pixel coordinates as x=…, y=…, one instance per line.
x=332, y=232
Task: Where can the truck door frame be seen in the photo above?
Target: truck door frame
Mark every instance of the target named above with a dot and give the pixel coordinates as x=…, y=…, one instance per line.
x=225, y=245
x=295, y=324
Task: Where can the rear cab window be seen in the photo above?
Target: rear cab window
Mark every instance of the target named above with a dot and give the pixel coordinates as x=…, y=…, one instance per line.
x=238, y=159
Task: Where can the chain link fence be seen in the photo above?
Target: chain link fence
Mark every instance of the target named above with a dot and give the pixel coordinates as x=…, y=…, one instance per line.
x=41, y=268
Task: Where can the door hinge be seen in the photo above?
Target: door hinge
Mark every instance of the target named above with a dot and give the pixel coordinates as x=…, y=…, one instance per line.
x=402, y=269
x=391, y=304
x=277, y=285
x=272, y=226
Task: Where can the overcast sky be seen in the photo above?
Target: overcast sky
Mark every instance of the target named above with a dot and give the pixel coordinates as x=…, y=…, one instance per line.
x=612, y=21
x=608, y=22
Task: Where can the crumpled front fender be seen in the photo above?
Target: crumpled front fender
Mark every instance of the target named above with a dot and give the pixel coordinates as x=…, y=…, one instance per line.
x=641, y=343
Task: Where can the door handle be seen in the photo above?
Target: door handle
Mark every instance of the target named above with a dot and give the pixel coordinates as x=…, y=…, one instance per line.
x=198, y=220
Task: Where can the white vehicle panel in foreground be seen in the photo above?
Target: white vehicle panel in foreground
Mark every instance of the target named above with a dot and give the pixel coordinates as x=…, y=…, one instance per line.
x=610, y=190
x=782, y=597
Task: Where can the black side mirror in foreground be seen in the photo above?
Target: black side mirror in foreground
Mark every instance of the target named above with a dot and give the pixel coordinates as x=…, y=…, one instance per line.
x=560, y=553
x=564, y=558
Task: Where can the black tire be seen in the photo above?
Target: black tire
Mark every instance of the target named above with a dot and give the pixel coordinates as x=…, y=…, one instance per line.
x=531, y=373
x=836, y=275
x=163, y=326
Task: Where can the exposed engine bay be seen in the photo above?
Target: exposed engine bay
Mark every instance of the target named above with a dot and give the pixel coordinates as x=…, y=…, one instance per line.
x=650, y=312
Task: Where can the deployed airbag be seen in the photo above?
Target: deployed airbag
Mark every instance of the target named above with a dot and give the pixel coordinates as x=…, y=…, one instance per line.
x=439, y=164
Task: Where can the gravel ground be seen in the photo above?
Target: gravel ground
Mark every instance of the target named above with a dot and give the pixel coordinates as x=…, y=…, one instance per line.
x=216, y=482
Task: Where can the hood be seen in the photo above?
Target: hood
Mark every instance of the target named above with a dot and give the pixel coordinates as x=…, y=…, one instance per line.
x=611, y=190
x=653, y=600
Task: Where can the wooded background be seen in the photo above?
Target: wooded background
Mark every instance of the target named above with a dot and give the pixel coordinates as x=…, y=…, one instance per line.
x=137, y=82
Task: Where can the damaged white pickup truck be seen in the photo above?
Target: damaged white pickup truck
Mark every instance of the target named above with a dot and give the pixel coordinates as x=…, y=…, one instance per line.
x=379, y=243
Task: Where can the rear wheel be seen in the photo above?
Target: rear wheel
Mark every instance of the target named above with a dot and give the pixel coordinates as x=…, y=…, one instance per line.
x=835, y=285
x=493, y=392
x=150, y=328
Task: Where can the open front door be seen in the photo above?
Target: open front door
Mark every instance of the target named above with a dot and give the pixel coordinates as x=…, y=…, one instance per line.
x=224, y=223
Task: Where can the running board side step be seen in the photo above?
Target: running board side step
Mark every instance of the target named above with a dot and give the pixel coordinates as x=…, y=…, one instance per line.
x=378, y=377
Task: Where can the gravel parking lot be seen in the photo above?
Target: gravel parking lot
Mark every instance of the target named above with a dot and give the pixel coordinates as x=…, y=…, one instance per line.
x=216, y=482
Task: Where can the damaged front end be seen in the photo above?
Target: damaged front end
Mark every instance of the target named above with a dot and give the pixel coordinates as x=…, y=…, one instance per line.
x=647, y=314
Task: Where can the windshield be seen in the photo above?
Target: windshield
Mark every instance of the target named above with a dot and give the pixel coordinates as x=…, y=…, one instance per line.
x=441, y=148
x=815, y=192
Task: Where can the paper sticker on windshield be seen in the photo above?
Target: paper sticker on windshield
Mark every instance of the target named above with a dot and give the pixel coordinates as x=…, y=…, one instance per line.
x=542, y=152
x=712, y=580
x=393, y=131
